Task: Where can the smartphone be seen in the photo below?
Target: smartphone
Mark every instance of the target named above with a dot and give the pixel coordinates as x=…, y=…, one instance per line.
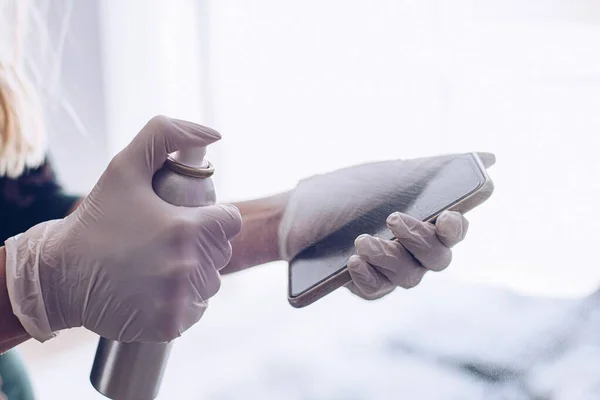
x=457, y=183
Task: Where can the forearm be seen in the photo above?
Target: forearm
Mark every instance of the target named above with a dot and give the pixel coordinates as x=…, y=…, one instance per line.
x=257, y=243
x=12, y=332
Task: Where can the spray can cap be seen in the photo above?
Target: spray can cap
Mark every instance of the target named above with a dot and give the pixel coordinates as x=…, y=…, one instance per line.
x=191, y=157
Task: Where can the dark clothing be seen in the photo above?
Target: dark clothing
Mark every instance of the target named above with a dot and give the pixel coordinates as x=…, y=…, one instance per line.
x=32, y=198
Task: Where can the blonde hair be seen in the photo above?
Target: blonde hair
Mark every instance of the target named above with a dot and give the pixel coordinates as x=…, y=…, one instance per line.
x=23, y=139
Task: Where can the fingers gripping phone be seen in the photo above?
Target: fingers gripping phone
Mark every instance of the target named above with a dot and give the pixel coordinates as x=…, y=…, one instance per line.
x=460, y=183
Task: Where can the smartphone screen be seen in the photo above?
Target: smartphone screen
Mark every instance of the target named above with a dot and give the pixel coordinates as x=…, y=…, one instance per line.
x=438, y=187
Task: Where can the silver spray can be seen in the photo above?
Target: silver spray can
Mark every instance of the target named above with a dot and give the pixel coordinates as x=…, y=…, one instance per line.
x=134, y=371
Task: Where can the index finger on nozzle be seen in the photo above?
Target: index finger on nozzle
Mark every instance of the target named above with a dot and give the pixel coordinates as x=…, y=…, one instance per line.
x=162, y=136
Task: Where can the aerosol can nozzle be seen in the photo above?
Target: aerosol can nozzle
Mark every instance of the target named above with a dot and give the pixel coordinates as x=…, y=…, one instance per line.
x=191, y=157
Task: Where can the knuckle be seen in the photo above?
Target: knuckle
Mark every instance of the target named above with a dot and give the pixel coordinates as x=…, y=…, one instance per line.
x=465, y=228
x=412, y=279
x=159, y=122
x=220, y=255
x=399, y=280
x=226, y=253
x=396, y=276
x=191, y=319
x=169, y=328
x=234, y=218
x=223, y=221
x=447, y=260
x=376, y=295
x=215, y=227
x=182, y=269
x=373, y=292
x=452, y=225
x=175, y=316
x=370, y=291
x=182, y=231
x=210, y=226
x=213, y=287
x=444, y=262
x=361, y=243
x=162, y=325
x=229, y=211
x=182, y=224
x=174, y=322
x=115, y=166
x=233, y=226
x=425, y=235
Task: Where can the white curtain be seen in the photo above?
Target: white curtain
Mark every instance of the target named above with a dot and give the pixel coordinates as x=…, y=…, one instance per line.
x=152, y=64
x=299, y=88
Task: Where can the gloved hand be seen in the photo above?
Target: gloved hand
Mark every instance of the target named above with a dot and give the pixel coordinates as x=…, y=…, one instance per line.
x=126, y=264
x=322, y=204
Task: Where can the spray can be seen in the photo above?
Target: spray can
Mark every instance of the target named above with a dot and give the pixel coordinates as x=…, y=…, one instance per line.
x=134, y=371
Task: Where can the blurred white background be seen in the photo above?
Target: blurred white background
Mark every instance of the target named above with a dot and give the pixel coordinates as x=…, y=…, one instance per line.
x=298, y=88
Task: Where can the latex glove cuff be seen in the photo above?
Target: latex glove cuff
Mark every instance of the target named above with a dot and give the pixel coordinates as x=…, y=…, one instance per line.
x=23, y=281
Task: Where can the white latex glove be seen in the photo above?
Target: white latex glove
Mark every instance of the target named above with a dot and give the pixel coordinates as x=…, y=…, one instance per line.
x=322, y=204
x=381, y=265
x=126, y=265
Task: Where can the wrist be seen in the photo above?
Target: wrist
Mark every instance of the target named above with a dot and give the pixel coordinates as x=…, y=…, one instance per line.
x=258, y=241
x=24, y=279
